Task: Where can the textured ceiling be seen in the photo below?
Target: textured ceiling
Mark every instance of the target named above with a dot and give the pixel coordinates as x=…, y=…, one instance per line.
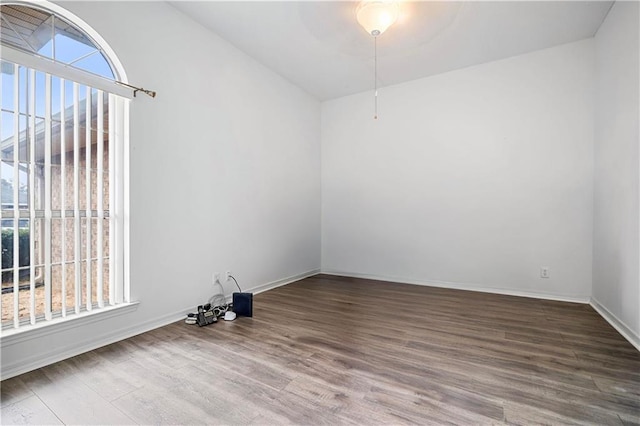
x=320, y=47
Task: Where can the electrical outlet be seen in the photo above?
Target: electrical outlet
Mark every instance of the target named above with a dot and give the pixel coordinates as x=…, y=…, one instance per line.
x=226, y=276
x=544, y=272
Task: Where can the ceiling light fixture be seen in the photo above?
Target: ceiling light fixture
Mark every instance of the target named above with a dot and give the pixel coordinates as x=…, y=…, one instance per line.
x=376, y=16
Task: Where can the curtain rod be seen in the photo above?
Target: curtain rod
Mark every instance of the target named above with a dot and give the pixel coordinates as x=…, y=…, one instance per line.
x=138, y=89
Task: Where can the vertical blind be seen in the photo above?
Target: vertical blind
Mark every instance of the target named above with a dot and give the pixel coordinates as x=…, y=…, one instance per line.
x=61, y=151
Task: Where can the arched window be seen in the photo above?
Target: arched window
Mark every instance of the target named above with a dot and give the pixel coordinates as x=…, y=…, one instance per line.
x=42, y=33
x=62, y=154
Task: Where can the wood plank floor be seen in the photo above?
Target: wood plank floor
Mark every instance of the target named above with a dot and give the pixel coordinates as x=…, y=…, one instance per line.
x=333, y=350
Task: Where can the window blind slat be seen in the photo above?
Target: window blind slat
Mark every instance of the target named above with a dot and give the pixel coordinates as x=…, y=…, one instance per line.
x=47, y=198
x=123, y=208
x=1, y=186
x=112, y=197
x=16, y=196
x=99, y=194
x=32, y=193
x=116, y=207
x=63, y=196
x=1, y=211
x=87, y=150
x=76, y=197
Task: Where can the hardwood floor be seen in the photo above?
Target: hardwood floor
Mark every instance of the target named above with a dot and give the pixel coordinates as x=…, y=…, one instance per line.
x=333, y=350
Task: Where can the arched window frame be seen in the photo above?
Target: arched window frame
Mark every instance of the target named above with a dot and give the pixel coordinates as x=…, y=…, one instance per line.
x=120, y=185
x=52, y=66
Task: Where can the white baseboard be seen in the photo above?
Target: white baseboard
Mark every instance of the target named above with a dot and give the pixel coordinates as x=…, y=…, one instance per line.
x=283, y=281
x=464, y=286
x=616, y=323
x=35, y=361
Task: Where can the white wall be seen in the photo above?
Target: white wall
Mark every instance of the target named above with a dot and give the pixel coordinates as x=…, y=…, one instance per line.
x=225, y=174
x=616, y=281
x=474, y=178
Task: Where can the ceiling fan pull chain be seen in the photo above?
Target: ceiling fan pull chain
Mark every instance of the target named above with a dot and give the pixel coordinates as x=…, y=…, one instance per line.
x=375, y=76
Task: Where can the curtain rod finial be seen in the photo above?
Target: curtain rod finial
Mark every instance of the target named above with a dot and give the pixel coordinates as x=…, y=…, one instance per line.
x=138, y=89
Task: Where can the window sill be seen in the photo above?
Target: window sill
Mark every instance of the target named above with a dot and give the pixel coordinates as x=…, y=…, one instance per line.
x=29, y=332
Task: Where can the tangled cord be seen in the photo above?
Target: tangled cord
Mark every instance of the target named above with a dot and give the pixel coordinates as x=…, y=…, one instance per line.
x=217, y=300
x=218, y=303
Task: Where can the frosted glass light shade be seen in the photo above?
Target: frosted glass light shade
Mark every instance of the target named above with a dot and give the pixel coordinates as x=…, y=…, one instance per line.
x=376, y=16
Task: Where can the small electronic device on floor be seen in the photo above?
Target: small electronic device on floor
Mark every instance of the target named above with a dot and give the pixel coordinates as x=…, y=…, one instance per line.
x=206, y=315
x=243, y=304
